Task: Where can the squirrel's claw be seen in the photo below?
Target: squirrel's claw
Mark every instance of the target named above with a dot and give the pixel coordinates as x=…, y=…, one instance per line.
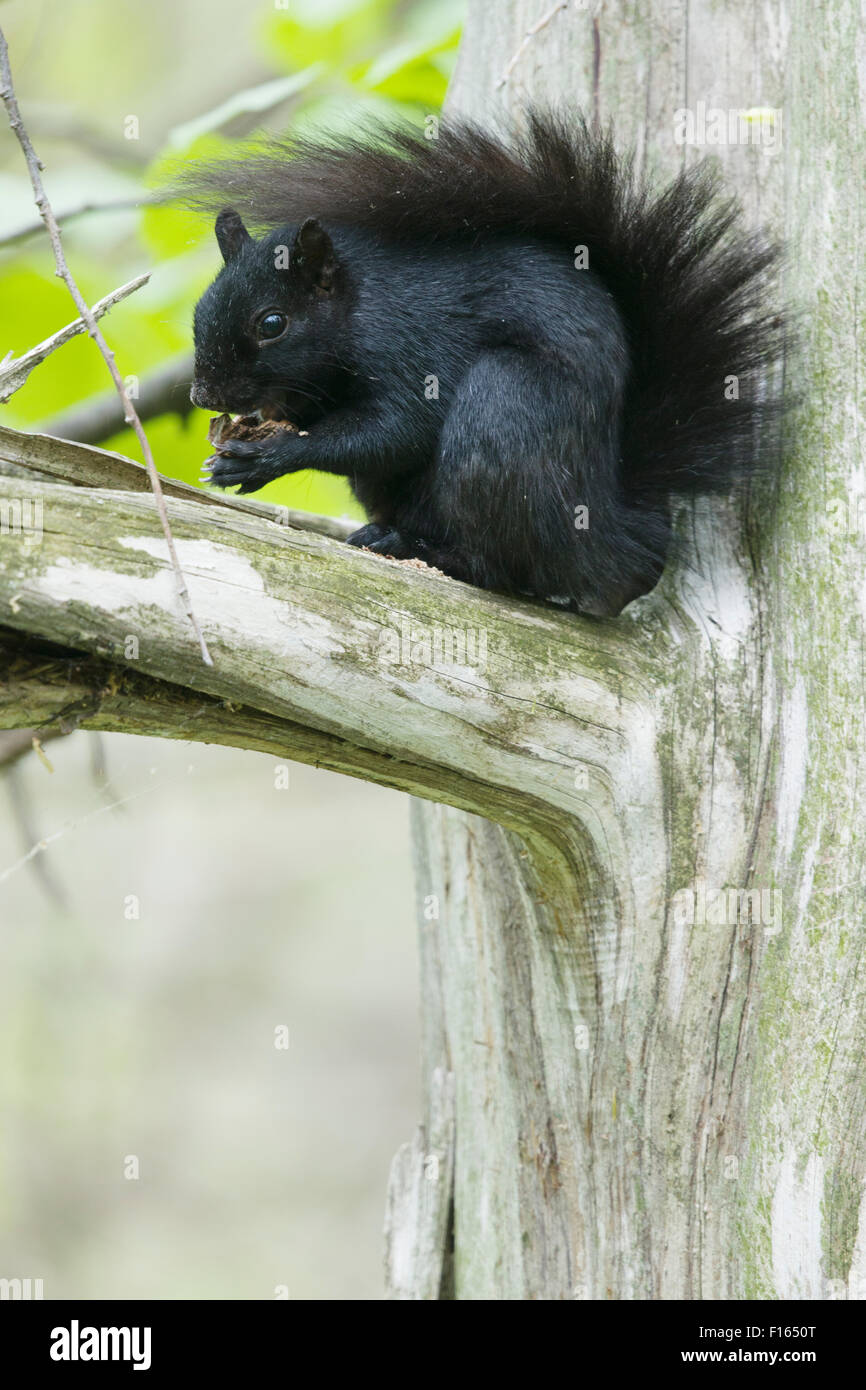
x=242, y=465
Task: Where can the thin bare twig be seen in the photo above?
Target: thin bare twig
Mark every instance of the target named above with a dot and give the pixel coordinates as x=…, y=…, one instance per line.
x=16, y=743
x=34, y=166
x=22, y=811
x=31, y=228
x=14, y=371
x=41, y=845
x=528, y=37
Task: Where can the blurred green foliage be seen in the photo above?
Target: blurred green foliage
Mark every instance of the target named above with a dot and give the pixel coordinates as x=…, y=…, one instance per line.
x=301, y=65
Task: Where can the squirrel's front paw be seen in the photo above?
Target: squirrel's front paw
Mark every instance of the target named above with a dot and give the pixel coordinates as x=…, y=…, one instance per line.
x=374, y=537
x=242, y=463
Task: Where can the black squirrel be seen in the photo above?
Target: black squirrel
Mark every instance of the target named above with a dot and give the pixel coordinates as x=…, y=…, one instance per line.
x=514, y=350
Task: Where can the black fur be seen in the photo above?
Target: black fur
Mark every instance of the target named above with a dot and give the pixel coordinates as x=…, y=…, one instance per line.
x=407, y=263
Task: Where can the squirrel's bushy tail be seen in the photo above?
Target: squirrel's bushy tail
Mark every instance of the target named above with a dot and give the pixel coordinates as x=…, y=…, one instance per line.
x=693, y=284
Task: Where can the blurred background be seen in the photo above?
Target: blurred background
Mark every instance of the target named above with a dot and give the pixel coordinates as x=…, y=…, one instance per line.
x=157, y=1139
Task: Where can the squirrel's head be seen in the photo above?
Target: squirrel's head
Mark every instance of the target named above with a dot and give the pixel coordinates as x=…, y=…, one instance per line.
x=271, y=331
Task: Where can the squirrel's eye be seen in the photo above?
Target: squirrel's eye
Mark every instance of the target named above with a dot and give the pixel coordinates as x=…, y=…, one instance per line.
x=272, y=325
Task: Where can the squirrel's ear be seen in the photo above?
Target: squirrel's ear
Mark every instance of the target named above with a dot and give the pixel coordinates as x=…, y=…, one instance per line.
x=313, y=254
x=231, y=234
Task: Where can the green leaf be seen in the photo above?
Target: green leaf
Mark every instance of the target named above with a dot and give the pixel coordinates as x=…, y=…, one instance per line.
x=332, y=30
x=421, y=83
x=405, y=56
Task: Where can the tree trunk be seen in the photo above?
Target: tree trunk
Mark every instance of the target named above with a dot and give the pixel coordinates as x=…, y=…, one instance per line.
x=659, y=1084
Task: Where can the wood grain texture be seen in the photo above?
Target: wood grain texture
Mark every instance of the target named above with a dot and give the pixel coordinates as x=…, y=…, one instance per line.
x=649, y=1107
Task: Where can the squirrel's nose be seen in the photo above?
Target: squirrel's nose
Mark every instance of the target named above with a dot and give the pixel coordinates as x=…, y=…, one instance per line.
x=200, y=395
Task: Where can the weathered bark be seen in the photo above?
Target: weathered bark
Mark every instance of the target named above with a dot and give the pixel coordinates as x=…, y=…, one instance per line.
x=620, y=1102
x=312, y=632
x=647, y=1108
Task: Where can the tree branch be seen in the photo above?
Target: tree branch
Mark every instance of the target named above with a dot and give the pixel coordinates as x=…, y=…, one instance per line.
x=327, y=654
x=30, y=229
x=17, y=743
x=42, y=456
x=14, y=371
